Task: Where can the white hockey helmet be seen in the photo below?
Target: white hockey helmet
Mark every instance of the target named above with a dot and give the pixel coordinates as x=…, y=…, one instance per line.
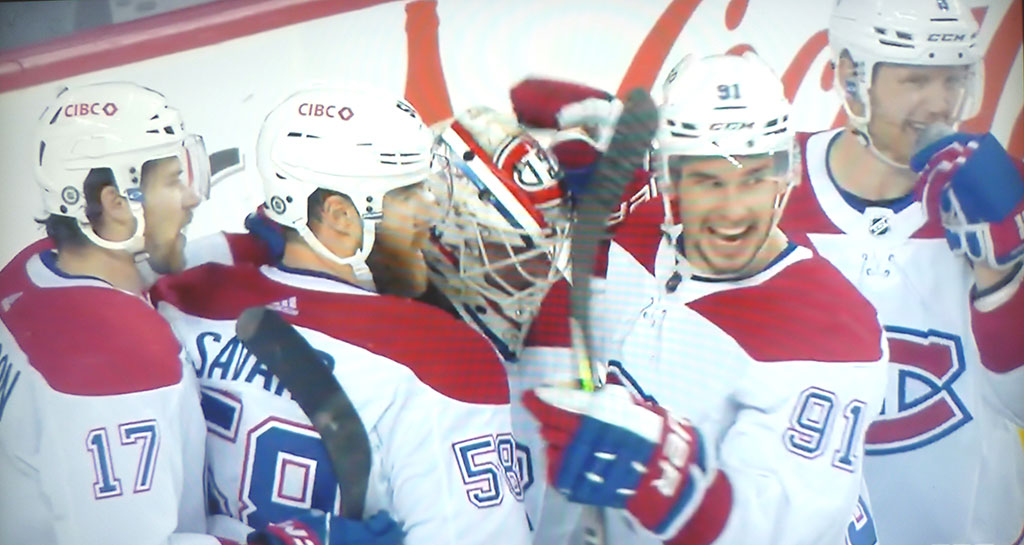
x=119, y=126
x=505, y=239
x=358, y=142
x=727, y=106
x=913, y=32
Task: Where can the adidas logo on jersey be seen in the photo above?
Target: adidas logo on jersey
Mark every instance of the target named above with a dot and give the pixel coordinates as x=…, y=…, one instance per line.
x=287, y=306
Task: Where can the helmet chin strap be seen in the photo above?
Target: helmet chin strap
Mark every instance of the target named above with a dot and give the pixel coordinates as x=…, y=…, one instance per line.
x=135, y=245
x=860, y=122
x=361, y=271
x=865, y=139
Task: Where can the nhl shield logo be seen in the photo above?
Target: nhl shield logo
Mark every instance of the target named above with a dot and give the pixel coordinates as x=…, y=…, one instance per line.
x=922, y=405
x=878, y=220
x=879, y=226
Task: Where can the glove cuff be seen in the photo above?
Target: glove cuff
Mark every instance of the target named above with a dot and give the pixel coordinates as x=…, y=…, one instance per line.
x=995, y=296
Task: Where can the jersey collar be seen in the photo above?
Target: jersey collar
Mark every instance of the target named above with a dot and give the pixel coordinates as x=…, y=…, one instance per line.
x=871, y=221
x=311, y=280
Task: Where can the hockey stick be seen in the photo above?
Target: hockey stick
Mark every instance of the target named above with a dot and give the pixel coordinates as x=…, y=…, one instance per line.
x=288, y=355
x=629, y=145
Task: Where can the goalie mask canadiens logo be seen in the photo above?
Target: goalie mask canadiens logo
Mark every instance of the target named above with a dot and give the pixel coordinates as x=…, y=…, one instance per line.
x=921, y=405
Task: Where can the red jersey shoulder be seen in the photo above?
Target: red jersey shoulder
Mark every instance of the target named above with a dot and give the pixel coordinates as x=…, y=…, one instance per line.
x=442, y=351
x=218, y=292
x=807, y=312
x=94, y=341
x=247, y=248
x=551, y=326
x=803, y=213
x=13, y=276
x=640, y=233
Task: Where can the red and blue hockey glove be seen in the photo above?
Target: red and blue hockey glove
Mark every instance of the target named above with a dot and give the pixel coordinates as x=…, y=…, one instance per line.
x=317, y=528
x=980, y=195
x=561, y=105
x=609, y=449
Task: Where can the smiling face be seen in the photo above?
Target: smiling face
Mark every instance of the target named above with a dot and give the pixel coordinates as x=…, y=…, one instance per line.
x=905, y=99
x=727, y=210
x=167, y=204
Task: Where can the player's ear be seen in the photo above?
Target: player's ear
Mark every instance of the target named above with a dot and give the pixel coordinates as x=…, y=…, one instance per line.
x=846, y=76
x=115, y=208
x=338, y=213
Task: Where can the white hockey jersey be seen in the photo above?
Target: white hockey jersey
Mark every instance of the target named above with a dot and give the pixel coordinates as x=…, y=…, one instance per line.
x=781, y=372
x=101, y=434
x=944, y=460
x=431, y=394
x=546, y=359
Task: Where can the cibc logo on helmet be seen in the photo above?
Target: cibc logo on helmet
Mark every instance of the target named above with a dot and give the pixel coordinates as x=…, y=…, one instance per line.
x=78, y=110
x=307, y=109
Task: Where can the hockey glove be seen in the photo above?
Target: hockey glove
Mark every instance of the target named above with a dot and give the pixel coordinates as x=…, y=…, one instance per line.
x=553, y=104
x=980, y=195
x=317, y=528
x=607, y=448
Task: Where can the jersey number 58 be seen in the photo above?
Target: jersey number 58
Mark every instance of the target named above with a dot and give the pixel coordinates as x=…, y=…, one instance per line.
x=488, y=465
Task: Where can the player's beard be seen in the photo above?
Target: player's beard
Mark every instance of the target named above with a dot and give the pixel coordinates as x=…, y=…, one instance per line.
x=166, y=252
x=398, y=266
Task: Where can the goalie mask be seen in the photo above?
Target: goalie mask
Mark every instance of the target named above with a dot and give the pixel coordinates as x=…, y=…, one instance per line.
x=729, y=112
x=356, y=142
x=117, y=126
x=920, y=33
x=504, y=241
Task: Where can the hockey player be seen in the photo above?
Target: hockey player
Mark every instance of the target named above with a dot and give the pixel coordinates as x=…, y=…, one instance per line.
x=944, y=461
x=753, y=367
x=351, y=176
x=498, y=261
x=101, y=433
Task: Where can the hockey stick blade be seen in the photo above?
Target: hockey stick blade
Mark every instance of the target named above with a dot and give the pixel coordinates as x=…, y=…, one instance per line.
x=629, y=146
x=277, y=345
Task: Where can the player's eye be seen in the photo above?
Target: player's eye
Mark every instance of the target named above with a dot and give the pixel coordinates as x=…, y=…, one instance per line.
x=917, y=80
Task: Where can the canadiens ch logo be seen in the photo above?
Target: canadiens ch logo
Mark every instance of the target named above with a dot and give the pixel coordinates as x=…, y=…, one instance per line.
x=922, y=406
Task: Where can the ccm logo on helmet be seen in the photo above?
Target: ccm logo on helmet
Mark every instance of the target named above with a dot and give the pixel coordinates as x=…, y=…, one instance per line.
x=75, y=110
x=732, y=126
x=947, y=37
x=319, y=110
